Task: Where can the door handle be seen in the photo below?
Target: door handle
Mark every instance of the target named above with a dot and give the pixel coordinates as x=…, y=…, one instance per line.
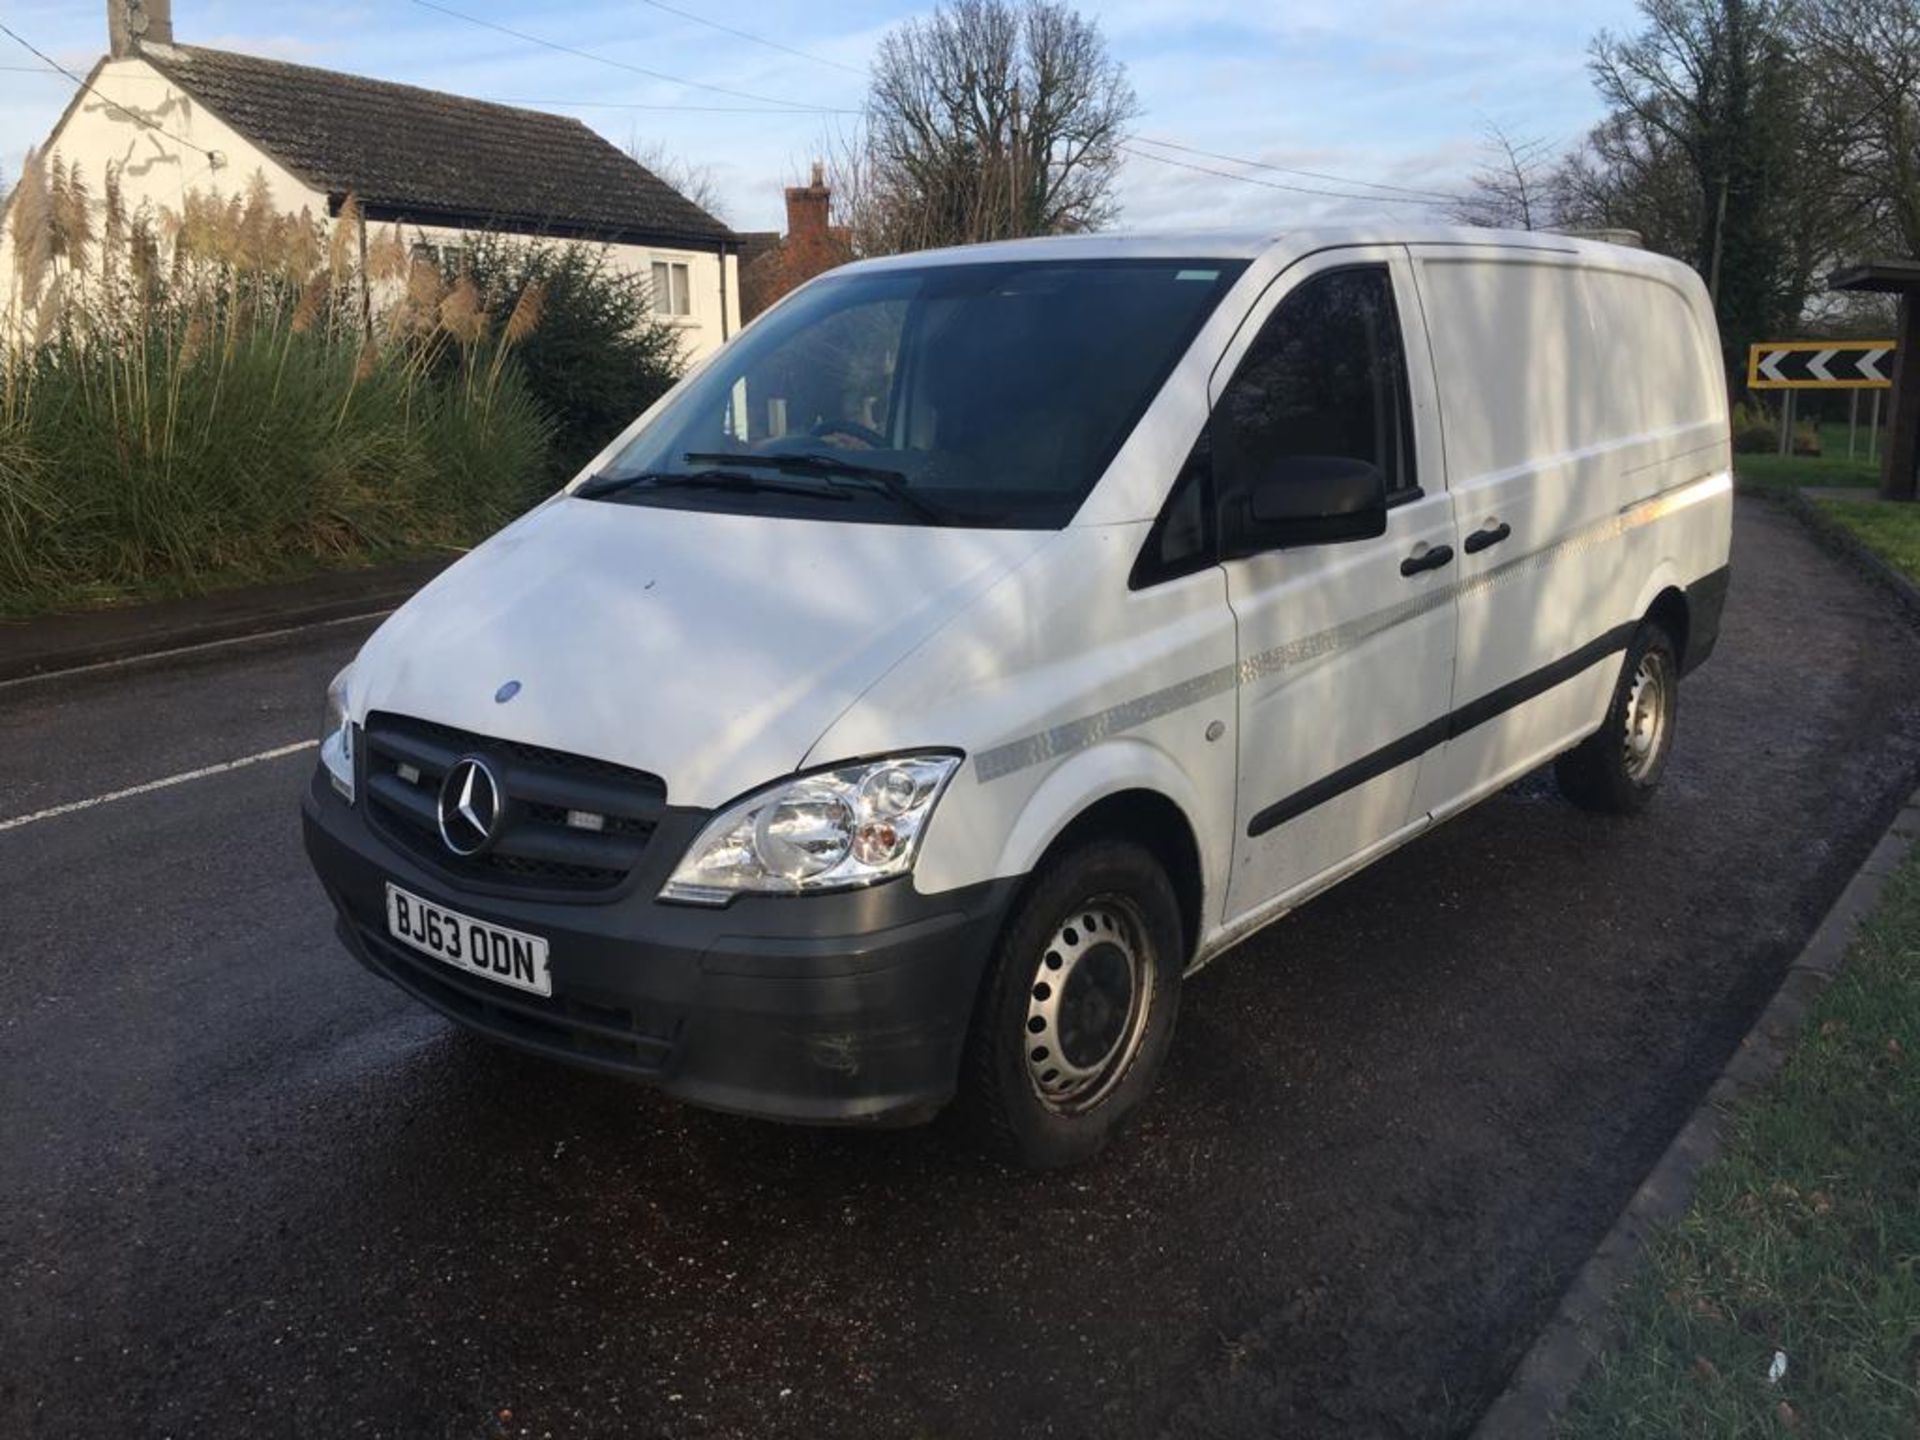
x=1431, y=558
x=1490, y=535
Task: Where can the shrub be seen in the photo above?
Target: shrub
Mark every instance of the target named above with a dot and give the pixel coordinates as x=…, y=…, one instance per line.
x=1754, y=432
x=213, y=403
x=599, y=356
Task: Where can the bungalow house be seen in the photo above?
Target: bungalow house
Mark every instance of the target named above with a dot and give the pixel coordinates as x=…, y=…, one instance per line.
x=174, y=119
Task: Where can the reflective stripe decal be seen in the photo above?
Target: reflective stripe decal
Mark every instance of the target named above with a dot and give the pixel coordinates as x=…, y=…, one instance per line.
x=1079, y=734
x=1073, y=735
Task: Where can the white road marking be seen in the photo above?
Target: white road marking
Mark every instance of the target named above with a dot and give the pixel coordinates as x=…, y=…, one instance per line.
x=127, y=794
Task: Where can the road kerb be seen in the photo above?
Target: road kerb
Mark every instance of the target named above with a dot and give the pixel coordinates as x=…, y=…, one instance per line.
x=1843, y=542
x=67, y=643
x=1543, y=1383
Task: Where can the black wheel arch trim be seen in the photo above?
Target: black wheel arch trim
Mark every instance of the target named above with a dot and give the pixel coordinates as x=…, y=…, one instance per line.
x=1706, y=603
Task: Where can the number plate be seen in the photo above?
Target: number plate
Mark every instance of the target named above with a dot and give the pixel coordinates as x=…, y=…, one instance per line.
x=510, y=957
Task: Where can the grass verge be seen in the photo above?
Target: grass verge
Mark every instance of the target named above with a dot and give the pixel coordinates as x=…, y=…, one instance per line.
x=1803, y=1240
x=1793, y=472
x=1830, y=467
x=1891, y=531
x=268, y=570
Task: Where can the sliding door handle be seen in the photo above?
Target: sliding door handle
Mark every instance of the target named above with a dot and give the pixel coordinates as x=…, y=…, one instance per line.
x=1491, y=535
x=1432, y=558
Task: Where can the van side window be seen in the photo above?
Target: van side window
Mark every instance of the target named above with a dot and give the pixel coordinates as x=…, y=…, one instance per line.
x=1181, y=540
x=1327, y=375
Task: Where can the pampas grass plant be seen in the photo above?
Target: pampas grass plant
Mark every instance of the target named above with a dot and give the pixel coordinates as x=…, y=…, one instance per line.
x=198, y=394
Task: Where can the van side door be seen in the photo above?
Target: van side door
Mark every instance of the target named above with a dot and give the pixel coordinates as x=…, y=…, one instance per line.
x=1572, y=394
x=1345, y=649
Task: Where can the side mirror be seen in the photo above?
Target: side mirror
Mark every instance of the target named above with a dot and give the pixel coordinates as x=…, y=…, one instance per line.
x=1310, y=500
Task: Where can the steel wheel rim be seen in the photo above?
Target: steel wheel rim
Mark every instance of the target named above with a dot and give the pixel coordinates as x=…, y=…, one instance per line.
x=1087, y=1004
x=1649, y=718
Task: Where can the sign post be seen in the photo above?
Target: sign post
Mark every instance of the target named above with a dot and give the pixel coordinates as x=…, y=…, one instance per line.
x=1796, y=365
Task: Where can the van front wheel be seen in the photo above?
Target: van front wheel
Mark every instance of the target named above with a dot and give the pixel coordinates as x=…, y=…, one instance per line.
x=1078, y=1010
x=1616, y=769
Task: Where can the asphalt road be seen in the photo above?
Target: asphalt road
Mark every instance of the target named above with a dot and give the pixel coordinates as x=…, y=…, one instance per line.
x=249, y=1190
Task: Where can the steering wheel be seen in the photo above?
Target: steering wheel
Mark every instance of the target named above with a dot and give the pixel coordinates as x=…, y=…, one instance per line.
x=868, y=436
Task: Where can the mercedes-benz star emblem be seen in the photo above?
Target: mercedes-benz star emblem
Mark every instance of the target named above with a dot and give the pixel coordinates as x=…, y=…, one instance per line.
x=469, y=806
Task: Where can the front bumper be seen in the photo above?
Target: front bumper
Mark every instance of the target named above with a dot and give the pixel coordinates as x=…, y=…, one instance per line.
x=822, y=1008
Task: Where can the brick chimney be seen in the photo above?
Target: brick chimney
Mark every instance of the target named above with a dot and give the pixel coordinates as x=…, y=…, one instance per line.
x=807, y=210
x=131, y=22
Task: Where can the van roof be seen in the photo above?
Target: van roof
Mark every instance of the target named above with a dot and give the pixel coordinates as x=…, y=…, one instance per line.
x=1240, y=244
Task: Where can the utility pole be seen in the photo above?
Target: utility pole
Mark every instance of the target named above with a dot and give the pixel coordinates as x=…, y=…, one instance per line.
x=1719, y=244
x=1016, y=226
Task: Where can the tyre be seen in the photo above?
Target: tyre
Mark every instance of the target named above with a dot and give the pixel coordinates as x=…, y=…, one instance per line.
x=1077, y=1010
x=1616, y=769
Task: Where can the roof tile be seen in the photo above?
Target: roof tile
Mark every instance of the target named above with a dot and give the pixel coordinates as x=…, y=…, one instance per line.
x=426, y=156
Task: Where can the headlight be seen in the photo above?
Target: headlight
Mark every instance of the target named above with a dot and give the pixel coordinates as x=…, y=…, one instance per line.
x=336, y=735
x=833, y=830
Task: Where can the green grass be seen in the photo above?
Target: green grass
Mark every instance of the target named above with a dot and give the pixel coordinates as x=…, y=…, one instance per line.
x=1833, y=438
x=1791, y=472
x=1830, y=467
x=1891, y=531
x=1804, y=1237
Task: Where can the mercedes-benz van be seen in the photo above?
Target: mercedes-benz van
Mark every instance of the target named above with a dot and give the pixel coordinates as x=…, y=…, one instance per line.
x=986, y=639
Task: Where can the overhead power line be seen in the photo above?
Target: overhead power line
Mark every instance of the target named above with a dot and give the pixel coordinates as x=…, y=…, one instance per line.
x=636, y=105
x=1278, y=184
x=1382, y=199
x=756, y=39
x=133, y=115
x=787, y=106
x=1438, y=197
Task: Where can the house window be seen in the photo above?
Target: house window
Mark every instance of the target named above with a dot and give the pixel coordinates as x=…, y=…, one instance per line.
x=449, y=260
x=672, y=295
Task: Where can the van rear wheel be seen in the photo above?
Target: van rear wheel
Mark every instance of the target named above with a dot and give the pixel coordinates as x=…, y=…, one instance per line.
x=1616, y=769
x=1078, y=1010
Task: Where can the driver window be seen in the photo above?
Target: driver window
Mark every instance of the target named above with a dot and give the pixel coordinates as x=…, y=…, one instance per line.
x=836, y=372
x=1326, y=376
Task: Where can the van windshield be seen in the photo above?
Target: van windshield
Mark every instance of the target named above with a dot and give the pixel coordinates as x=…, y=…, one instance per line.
x=974, y=394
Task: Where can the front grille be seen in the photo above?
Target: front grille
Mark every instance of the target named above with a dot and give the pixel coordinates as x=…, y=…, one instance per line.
x=535, y=847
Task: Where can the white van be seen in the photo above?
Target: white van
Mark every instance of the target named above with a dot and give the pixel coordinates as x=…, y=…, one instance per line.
x=986, y=639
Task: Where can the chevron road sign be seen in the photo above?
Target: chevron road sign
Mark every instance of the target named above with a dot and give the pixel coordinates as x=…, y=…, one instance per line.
x=1820, y=365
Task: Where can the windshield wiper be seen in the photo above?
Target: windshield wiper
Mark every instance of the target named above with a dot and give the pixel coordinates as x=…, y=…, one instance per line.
x=890, y=483
x=599, y=487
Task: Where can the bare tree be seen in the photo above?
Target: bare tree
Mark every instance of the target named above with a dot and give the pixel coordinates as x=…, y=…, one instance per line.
x=1628, y=176
x=691, y=178
x=1515, y=188
x=1715, y=88
x=1865, y=55
x=987, y=120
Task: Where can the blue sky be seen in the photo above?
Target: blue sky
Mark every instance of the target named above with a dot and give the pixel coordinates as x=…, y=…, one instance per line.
x=1397, y=91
